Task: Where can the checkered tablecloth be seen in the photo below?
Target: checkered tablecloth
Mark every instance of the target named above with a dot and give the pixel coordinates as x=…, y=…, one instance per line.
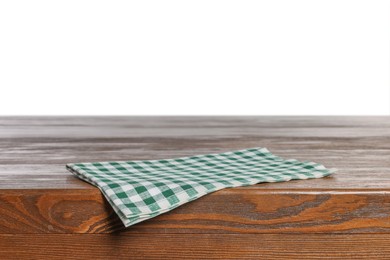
x=140, y=190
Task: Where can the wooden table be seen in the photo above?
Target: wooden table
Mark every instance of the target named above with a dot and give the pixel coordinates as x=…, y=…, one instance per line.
x=45, y=212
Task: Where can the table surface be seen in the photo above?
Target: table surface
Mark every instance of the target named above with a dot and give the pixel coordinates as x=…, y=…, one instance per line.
x=34, y=150
x=47, y=213
x=40, y=195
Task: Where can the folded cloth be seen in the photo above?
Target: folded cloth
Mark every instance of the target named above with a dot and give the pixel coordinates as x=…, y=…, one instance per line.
x=140, y=190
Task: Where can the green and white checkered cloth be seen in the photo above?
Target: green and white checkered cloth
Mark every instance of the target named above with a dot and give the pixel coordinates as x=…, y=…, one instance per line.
x=140, y=190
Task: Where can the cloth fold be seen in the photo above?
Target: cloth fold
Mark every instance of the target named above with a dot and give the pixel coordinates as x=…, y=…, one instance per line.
x=140, y=190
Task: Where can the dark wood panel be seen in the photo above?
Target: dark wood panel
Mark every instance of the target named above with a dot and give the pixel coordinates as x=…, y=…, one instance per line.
x=237, y=210
x=195, y=246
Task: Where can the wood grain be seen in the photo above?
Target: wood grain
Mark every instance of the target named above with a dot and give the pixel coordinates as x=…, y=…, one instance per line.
x=237, y=210
x=195, y=246
x=46, y=213
x=33, y=150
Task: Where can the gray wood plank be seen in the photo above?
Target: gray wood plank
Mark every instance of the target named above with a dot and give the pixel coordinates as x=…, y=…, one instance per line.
x=34, y=150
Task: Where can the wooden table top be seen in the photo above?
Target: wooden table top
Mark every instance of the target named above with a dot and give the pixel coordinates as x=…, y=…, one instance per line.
x=34, y=150
x=38, y=195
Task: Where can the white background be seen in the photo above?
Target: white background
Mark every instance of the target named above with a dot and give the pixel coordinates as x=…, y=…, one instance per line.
x=200, y=57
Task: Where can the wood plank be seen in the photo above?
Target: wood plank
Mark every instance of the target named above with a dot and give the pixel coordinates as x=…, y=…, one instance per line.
x=195, y=246
x=31, y=145
x=357, y=169
x=236, y=210
x=126, y=127
x=147, y=148
x=194, y=121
